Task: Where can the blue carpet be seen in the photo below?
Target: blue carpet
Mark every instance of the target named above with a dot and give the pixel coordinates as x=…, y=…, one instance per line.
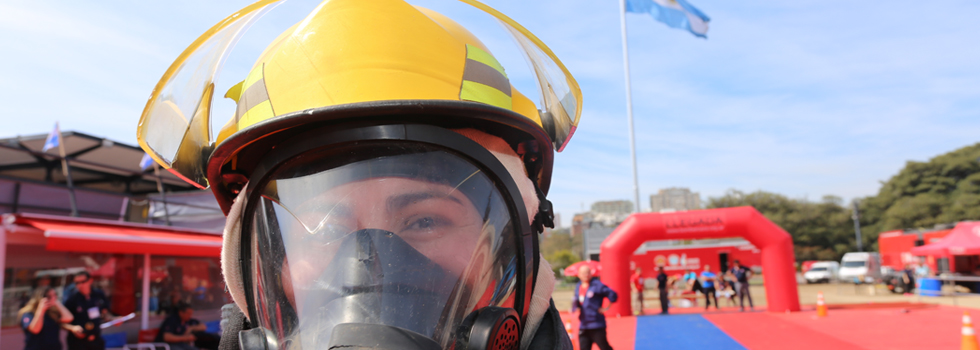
x=681, y=332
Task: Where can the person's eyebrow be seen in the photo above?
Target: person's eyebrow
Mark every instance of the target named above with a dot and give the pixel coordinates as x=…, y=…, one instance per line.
x=401, y=201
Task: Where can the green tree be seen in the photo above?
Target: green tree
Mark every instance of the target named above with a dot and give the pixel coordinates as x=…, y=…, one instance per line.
x=945, y=189
x=820, y=230
x=559, y=240
x=560, y=260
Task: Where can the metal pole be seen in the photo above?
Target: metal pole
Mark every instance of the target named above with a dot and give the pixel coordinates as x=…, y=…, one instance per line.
x=14, y=206
x=67, y=171
x=629, y=104
x=122, y=209
x=163, y=194
x=3, y=257
x=857, y=226
x=145, y=308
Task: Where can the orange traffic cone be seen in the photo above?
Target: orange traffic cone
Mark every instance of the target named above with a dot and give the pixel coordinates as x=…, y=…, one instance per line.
x=568, y=328
x=821, y=306
x=969, y=341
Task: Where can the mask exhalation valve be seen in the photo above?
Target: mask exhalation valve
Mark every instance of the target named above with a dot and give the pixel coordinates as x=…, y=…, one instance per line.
x=490, y=328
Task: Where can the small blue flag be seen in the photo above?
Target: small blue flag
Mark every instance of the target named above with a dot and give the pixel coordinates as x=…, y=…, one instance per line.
x=54, y=138
x=146, y=161
x=675, y=13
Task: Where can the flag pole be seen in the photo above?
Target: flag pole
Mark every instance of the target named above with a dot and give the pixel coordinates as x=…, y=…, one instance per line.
x=67, y=172
x=163, y=194
x=629, y=105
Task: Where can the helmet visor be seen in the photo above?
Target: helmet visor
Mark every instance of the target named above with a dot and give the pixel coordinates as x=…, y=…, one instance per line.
x=404, y=236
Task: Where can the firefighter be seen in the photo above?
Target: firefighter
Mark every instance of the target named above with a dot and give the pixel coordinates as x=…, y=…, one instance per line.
x=385, y=184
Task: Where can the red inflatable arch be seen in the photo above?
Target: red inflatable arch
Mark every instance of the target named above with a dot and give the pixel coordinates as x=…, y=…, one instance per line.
x=746, y=222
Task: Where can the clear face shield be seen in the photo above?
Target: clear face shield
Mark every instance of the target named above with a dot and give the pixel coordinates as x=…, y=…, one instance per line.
x=400, y=238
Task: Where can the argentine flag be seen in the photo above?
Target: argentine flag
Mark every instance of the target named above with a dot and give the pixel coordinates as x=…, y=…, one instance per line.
x=54, y=138
x=146, y=161
x=674, y=13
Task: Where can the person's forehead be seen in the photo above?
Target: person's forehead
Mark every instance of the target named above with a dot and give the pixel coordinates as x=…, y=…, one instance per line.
x=382, y=189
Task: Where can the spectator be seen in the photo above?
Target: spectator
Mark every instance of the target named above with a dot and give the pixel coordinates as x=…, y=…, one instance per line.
x=663, y=284
x=88, y=306
x=741, y=276
x=691, y=281
x=41, y=318
x=691, y=286
x=69, y=289
x=726, y=290
x=42, y=282
x=179, y=328
x=908, y=279
x=708, y=287
x=200, y=294
x=922, y=271
x=637, y=281
x=588, y=301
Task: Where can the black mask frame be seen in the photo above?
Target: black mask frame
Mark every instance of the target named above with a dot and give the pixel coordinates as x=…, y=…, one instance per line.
x=333, y=136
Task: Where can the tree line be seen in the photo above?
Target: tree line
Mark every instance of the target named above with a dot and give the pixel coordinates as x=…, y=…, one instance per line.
x=942, y=190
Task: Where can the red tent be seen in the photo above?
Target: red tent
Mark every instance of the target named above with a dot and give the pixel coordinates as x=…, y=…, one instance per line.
x=963, y=240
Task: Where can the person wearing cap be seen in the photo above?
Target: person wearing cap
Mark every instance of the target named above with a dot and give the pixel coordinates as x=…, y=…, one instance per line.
x=385, y=185
x=89, y=308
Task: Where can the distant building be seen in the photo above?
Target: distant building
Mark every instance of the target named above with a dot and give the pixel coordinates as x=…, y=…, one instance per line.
x=675, y=199
x=612, y=207
x=593, y=239
x=580, y=222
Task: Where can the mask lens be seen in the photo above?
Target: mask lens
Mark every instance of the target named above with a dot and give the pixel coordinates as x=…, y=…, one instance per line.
x=406, y=236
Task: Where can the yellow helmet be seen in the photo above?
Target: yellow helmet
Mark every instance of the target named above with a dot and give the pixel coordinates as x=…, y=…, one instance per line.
x=354, y=60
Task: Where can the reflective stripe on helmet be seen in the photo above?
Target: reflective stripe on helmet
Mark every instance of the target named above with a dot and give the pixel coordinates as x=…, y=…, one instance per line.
x=254, y=105
x=484, y=80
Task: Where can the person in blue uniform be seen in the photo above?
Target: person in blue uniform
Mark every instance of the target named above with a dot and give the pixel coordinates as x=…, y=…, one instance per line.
x=588, y=302
x=179, y=328
x=708, y=287
x=88, y=306
x=41, y=318
x=742, y=275
x=663, y=285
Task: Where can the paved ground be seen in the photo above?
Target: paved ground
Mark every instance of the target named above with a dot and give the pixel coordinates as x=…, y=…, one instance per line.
x=833, y=294
x=859, y=318
x=902, y=326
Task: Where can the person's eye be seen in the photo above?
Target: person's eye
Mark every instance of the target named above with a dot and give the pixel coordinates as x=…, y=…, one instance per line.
x=424, y=224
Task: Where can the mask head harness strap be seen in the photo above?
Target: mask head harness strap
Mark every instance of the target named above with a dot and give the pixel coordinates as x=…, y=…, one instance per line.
x=485, y=328
x=546, y=213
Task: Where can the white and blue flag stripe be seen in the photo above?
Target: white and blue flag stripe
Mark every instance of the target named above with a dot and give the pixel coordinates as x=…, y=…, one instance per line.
x=146, y=161
x=675, y=13
x=54, y=138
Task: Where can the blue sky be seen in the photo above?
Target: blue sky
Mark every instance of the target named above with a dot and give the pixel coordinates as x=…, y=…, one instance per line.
x=805, y=98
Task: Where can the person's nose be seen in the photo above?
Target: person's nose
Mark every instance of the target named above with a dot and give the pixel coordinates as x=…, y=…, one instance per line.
x=373, y=218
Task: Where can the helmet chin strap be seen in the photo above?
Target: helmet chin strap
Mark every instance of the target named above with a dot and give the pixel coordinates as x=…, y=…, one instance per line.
x=230, y=258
